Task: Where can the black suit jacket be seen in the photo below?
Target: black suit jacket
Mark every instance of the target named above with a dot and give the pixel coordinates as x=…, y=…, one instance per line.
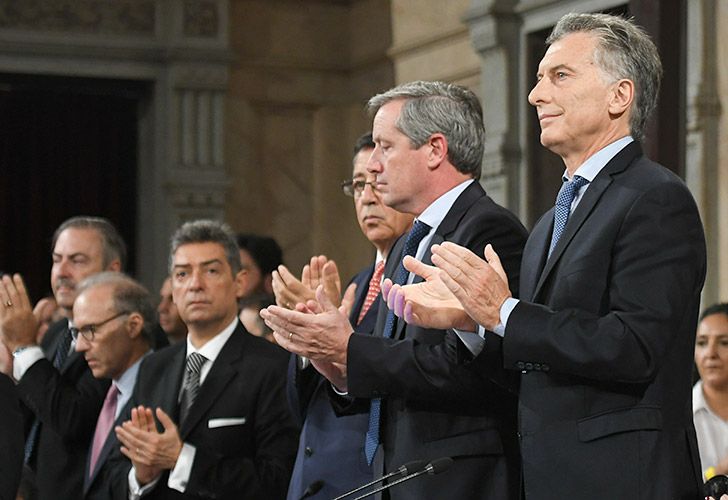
x=331, y=448
x=11, y=439
x=233, y=460
x=67, y=403
x=432, y=406
x=604, y=337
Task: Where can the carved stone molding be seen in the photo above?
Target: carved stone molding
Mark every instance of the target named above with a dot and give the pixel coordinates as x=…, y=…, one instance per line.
x=127, y=17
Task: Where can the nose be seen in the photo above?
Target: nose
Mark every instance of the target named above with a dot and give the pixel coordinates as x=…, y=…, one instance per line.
x=196, y=279
x=60, y=268
x=711, y=349
x=537, y=95
x=368, y=195
x=82, y=344
x=374, y=165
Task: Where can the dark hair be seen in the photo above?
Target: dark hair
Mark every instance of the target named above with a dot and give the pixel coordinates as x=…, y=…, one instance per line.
x=207, y=231
x=112, y=242
x=445, y=108
x=127, y=295
x=265, y=251
x=623, y=50
x=364, y=141
x=721, y=308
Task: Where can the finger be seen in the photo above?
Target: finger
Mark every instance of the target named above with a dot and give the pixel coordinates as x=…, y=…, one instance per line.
x=392, y=296
x=386, y=288
x=323, y=299
x=21, y=292
x=347, y=301
x=142, y=420
x=420, y=269
x=398, y=303
x=306, y=276
x=494, y=260
x=310, y=307
x=166, y=421
x=315, y=271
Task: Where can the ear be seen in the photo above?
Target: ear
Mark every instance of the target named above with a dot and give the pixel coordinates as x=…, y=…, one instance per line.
x=115, y=266
x=134, y=325
x=268, y=284
x=241, y=282
x=438, y=150
x=622, y=97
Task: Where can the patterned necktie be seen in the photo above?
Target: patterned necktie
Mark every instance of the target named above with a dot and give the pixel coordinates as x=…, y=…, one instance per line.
x=562, y=210
x=191, y=384
x=418, y=231
x=103, y=425
x=59, y=358
x=375, y=286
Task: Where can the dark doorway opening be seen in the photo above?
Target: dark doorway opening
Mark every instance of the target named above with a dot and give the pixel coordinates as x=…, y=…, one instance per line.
x=68, y=146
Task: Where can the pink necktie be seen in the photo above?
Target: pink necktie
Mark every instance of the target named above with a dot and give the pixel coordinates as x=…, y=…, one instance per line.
x=375, y=286
x=103, y=425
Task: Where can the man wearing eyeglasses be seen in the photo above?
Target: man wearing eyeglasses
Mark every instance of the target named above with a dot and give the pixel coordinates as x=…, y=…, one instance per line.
x=113, y=318
x=429, y=139
x=331, y=448
x=62, y=397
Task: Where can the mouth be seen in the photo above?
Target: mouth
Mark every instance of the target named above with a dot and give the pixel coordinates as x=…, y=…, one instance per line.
x=546, y=116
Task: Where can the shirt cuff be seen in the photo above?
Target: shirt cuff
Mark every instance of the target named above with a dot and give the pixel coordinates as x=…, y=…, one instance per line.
x=180, y=475
x=337, y=391
x=505, y=313
x=135, y=490
x=25, y=359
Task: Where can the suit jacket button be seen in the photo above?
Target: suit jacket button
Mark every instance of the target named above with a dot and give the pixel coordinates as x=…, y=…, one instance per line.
x=537, y=366
x=520, y=365
x=545, y=367
x=529, y=366
x=308, y=451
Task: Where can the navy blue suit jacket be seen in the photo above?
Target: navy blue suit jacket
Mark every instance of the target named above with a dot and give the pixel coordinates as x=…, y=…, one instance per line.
x=11, y=439
x=330, y=448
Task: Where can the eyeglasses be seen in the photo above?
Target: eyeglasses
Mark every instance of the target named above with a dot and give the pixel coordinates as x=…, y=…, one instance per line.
x=356, y=187
x=88, y=331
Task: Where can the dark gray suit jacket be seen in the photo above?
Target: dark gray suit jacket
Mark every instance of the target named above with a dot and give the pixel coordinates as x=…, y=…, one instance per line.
x=604, y=338
x=433, y=407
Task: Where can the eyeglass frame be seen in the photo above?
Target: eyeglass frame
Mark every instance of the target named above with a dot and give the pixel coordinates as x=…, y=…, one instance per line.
x=90, y=330
x=349, y=190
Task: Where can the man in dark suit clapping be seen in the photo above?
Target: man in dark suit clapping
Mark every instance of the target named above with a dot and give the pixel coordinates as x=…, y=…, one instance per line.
x=219, y=397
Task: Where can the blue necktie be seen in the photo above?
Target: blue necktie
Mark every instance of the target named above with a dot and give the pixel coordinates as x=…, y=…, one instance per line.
x=562, y=210
x=418, y=231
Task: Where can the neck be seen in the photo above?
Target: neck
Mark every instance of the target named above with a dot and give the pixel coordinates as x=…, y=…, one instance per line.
x=574, y=159
x=439, y=187
x=201, y=333
x=717, y=399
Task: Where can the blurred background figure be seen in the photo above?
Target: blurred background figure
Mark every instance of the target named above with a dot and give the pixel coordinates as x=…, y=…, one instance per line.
x=169, y=321
x=710, y=393
x=260, y=256
x=46, y=312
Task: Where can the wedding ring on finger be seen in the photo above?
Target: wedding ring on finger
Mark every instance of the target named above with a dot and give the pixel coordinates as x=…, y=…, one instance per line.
x=9, y=303
x=290, y=334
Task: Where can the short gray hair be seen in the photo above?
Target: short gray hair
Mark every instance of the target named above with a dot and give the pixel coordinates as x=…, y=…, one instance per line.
x=113, y=245
x=438, y=107
x=128, y=295
x=207, y=231
x=623, y=50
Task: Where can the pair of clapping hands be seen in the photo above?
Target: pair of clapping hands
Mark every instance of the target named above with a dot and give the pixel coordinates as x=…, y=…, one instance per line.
x=460, y=291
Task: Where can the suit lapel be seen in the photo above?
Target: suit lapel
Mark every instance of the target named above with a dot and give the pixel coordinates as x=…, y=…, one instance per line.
x=218, y=378
x=585, y=207
x=447, y=227
x=362, y=288
x=108, y=447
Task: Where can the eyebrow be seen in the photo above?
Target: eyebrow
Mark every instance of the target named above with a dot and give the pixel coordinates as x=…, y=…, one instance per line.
x=205, y=263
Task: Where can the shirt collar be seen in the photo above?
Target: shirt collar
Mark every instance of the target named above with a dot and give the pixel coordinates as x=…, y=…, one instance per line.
x=596, y=162
x=212, y=347
x=125, y=383
x=434, y=214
